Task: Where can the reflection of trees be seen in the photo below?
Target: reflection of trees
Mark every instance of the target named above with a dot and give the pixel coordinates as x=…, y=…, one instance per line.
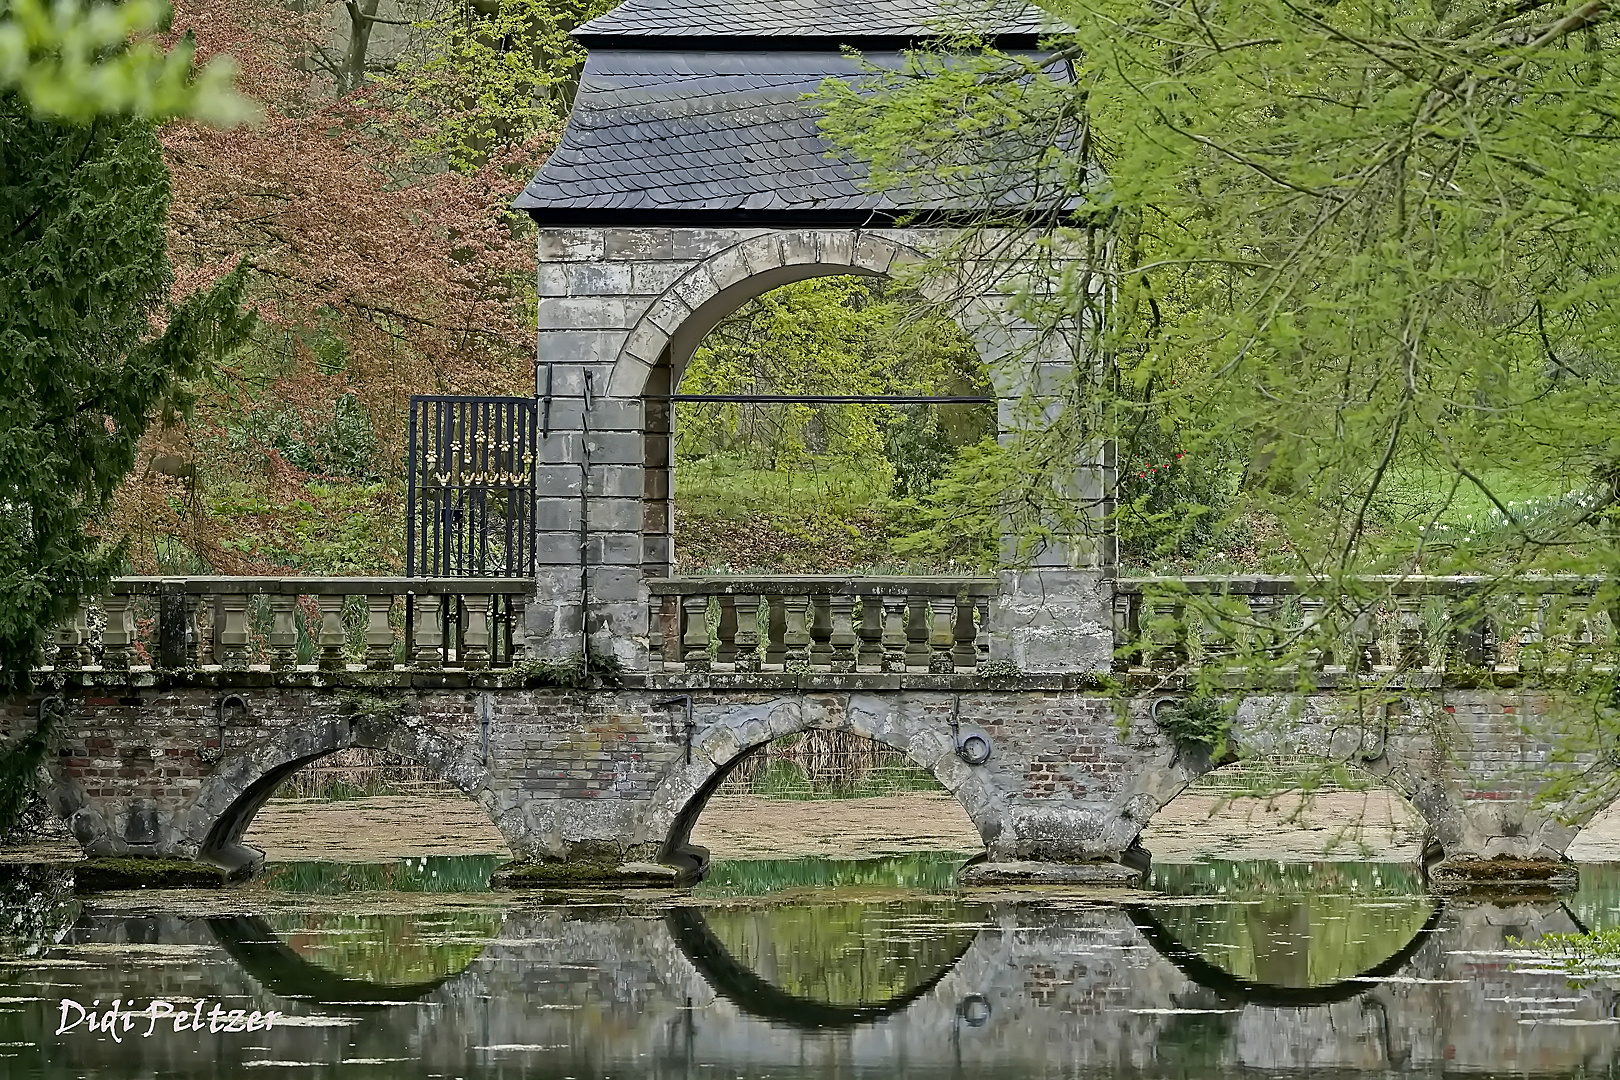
x=1298, y=941
x=391, y=950
x=845, y=954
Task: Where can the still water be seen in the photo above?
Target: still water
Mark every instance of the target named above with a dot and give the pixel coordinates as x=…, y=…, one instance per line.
x=810, y=968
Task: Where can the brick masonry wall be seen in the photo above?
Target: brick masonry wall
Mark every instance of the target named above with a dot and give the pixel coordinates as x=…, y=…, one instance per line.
x=572, y=773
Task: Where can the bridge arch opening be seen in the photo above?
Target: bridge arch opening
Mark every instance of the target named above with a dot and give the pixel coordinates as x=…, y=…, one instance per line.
x=845, y=792
x=452, y=811
x=1300, y=807
x=832, y=793
x=804, y=487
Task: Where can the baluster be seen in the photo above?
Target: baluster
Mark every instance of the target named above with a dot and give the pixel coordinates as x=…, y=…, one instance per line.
x=1127, y=631
x=1314, y=630
x=203, y=623
x=820, y=632
x=695, y=642
x=70, y=636
x=963, y=654
x=917, y=632
x=796, y=634
x=1221, y=629
x=1411, y=640
x=656, y=606
x=429, y=631
x=775, y=631
x=233, y=632
x=332, y=637
x=474, y=652
x=1363, y=654
x=869, y=654
x=943, y=635
x=116, y=637
x=283, y=631
x=1267, y=610
x=981, y=642
x=1583, y=640
x=1167, y=630
x=841, y=634
x=517, y=631
x=1532, y=632
x=379, y=635
x=894, y=633
x=725, y=649
x=747, y=651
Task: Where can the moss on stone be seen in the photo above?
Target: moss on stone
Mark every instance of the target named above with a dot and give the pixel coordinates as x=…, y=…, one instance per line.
x=582, y=873
x=102, y=875
x=1503, y=874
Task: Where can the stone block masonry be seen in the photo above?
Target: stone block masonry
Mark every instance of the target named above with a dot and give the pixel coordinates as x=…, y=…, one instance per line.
x=153, y=765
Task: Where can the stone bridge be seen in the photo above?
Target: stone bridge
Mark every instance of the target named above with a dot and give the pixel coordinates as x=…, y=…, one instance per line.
x=605, y=780
x=1060, y=705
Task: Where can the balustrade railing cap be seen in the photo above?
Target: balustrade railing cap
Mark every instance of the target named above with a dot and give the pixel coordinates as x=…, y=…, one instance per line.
x=323, y=586
x=1407, y=584
x=820, y=585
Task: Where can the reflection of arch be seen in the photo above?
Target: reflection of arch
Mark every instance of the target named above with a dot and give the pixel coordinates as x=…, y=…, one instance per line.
x=252, y=943
x=757, y=997
x=1233, y=987
x=685, y=787
x=236, y=790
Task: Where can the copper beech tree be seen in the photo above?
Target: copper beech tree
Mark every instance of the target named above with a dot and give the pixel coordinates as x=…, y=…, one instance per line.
x=380, y=266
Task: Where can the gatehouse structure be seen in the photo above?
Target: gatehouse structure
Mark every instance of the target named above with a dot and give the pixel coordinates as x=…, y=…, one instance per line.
x=691, y=179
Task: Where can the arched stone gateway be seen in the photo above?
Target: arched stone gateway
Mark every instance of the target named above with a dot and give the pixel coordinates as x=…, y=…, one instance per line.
x=692, y=178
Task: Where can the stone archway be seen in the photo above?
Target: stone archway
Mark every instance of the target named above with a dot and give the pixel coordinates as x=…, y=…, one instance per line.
x=213, y=826
x=731, y=731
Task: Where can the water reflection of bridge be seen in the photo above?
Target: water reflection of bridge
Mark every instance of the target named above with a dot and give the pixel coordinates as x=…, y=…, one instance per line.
x=992, y=989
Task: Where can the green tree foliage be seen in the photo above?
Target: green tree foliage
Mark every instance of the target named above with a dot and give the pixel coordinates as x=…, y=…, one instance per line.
x=490, y=77
x=837, y=335
x=75, y=62
x=812, y=471
x=1368, y=245
x=92, y=349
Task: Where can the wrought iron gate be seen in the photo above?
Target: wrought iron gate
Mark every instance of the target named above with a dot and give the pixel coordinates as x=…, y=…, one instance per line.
x=470, y=502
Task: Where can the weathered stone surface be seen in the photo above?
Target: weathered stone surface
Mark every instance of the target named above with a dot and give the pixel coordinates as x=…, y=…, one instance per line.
x=145, y=767
x=1047, y=873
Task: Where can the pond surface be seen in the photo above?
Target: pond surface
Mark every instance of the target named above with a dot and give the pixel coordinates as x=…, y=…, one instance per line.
x=807, y=968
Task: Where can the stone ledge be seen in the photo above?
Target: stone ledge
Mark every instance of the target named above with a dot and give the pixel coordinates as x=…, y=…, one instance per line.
x=584, y=873
x=1049, y=873
x=1464, y=876
x=108, y=875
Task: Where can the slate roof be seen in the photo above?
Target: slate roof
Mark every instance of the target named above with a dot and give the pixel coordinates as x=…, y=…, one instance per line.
x=669, y=129
x=842, y=19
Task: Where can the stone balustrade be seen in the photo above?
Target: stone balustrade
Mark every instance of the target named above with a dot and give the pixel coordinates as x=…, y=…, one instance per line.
x=938, y=625
x=324, y=623
x=1439, y=626
x=1378, y=625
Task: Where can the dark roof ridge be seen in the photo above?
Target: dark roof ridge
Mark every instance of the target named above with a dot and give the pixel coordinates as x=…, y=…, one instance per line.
x=712, y=22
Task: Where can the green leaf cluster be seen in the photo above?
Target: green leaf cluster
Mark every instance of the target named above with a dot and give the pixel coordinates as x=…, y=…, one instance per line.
x=76, y=61
x=1329, y=253
x=492, y=77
